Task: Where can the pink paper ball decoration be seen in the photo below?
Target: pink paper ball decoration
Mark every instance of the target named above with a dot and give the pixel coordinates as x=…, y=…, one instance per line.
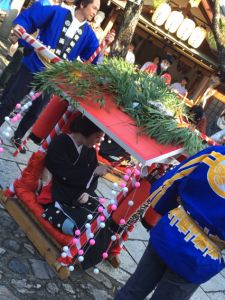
x=102, y=218
x=81, y=252
x=77, y=232
x=137, y=185
x=126, y=177
x=113, y=207
x=75, y=240
x=105, y=255
x=102, y=200
x=18, y=106
x=137, y=172
x=18, y=117
x=92, y=242
x=123, y=184
x=122, y=221
x=128, y=171
x=100, y=209
x=13, y=120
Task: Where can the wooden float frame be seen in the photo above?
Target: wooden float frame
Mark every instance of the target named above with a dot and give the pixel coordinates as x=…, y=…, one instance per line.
x=49, y=249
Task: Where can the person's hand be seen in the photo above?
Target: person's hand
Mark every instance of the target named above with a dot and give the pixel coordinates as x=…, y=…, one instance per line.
x=16, y=34
x=110, y=37
x=12, y=38
x=83, y=198
x=102, y=170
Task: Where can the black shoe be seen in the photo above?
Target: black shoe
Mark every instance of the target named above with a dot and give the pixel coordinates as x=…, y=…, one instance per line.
x=17, y=143
x=8, y=57
x=35, y=139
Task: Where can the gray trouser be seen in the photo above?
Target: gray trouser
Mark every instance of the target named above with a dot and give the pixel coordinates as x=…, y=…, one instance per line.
x=153, y=273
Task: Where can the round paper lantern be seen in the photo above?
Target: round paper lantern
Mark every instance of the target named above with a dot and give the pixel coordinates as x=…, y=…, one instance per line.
x=197, y=37
x=161, y=14
x=174, y=21
x=185, y=30
x=194, y=3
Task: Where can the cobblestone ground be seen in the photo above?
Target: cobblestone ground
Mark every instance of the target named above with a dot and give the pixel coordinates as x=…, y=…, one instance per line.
x=25, y=275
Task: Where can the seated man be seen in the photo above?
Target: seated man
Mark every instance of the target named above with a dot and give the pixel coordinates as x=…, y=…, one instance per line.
x=180, y=87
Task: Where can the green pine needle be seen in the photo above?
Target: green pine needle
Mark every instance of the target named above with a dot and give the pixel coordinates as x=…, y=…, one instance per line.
x=148, y=100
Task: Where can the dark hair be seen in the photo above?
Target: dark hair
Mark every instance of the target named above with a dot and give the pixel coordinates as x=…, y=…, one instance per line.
x=157, y=56
x=85, y=3
x=186, y=78
x=170, y=58
x=84, y=126
x=196, y=113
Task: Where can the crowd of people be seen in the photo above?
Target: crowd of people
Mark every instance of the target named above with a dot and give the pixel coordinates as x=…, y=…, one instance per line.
x=184, y=248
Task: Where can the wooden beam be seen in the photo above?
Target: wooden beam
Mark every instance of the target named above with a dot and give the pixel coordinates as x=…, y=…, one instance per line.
x=219, y=96
x=35, y=234
x=208, y=9
x=111, y=20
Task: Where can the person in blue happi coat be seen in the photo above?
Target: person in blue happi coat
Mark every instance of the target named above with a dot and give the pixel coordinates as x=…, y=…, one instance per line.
x=185, y=245
x=69, y=35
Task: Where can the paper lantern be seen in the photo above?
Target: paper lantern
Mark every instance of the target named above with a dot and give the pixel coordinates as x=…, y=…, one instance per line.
x=161, y=14
x=185, y=30
x=197, y=37
x=174, y=21
x=194, y=3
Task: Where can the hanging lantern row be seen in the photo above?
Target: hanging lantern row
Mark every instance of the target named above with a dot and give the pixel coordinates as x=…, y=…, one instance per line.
x=185, y=28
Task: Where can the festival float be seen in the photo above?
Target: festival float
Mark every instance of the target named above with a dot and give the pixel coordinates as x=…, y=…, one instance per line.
x=140, y=114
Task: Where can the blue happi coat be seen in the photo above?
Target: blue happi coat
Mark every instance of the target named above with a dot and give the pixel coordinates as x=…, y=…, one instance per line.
x=191, y=198
x=53, y=22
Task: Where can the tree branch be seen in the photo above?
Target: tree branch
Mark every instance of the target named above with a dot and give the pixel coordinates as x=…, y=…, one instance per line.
x=126, y=29
x=220, y=39
x=219, y=35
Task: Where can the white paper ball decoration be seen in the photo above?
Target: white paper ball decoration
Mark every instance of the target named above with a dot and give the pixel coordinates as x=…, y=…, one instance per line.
x=71, y=268
x=81, y=258
x=65, y=248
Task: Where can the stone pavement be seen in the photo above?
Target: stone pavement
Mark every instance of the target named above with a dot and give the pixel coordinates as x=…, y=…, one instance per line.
x=25, y=275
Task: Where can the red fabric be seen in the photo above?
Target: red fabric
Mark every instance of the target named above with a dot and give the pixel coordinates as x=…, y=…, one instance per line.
x=49, y=117
x=201, y=125
x=45, y=196
x=151, y=217
x=8, y=193
x=167, y=77
x=139, y=196
x=31, y=174
x=117, y=248
x=151, y=69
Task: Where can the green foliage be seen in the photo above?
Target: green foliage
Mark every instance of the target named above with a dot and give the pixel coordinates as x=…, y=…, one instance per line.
x=156, y=3
x=211, y=40
x=148, y=100
x=210, y=35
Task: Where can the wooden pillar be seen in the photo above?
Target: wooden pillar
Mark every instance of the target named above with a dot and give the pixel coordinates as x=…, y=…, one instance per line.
x=203, y=84
x=139, y=45
x=111, y=20
x=6, y=26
